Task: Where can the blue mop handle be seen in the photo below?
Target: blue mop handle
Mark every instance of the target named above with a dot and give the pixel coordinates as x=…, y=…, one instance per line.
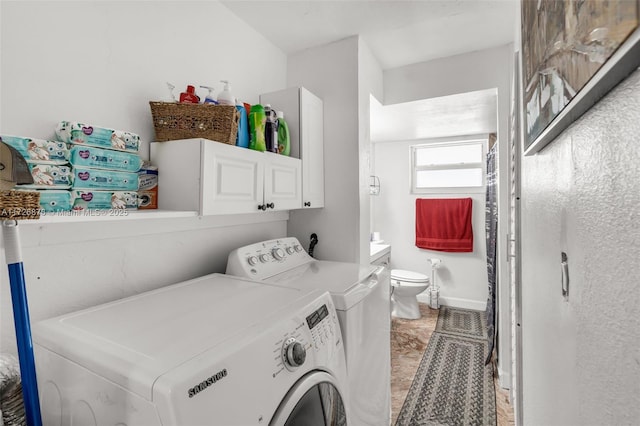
x=22, y=324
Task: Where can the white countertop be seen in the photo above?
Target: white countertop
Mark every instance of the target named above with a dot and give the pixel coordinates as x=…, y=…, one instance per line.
x=377, y=250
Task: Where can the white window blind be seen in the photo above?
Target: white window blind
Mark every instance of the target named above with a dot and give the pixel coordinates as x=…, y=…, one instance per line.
x=457, y=165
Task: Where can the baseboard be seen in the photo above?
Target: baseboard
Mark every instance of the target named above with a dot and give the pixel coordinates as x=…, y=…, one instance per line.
x=455, y=302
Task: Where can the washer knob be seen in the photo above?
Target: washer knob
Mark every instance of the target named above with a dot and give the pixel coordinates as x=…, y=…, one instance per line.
x=290, y=250
x=264, y=258
x=294, y=353
x=297, y=248
x=252, y=260
x=278, y=253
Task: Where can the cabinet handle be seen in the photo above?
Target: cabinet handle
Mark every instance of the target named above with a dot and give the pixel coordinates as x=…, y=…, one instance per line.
x=262, y=207
x=307, y=203
x=270, y=205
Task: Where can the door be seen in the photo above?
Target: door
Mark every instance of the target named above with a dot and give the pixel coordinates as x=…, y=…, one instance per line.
x=232, y=180
x=315, y=400
x=282, y=182
x=312, y=149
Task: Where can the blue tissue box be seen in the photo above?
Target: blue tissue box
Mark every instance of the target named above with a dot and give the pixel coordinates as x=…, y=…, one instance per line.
x=99, y=158
x=50, y=176
x=86, y=134
x=100, y=200
x=88, y=178
x=39, y=150
x=55, y=200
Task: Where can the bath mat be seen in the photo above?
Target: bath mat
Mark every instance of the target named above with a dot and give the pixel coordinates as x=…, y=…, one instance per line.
x=462, y=322
x=452, y=385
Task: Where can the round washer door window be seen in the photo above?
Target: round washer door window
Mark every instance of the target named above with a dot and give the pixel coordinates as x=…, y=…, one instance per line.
x=313, y=401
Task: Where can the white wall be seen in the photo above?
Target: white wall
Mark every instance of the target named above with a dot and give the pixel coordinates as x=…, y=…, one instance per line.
x=370, y=82
x=101, y=62
x=581, y=195
x=463, y=276
x=485, y=69
x=331, y=73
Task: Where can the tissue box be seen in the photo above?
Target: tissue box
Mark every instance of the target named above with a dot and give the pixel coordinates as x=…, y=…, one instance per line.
x=50, y=176
x=99, y=158
x=88, y=178
x=101, y=137
x=99, y=200
x=148, y=188
x=39, y=150
x=55, y=200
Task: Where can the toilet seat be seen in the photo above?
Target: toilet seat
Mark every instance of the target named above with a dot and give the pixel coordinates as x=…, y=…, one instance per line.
x=409, y=277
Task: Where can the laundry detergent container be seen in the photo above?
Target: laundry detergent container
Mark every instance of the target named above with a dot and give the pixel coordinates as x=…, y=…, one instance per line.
x=406, y=286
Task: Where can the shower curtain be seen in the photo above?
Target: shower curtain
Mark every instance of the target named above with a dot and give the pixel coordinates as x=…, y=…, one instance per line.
x=491, y=227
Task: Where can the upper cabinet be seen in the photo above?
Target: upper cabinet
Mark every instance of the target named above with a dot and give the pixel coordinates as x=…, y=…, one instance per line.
x=215, y=178
x=303, y=112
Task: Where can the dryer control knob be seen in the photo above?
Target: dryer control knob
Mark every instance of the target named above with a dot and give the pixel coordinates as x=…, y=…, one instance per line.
x=252, y=260
x=297, y=247
x=264, y=258
x=295, y=354
x=290, y=250
x=278, y=253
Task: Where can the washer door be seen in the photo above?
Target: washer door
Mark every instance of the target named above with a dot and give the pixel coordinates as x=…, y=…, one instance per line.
x=313, y=401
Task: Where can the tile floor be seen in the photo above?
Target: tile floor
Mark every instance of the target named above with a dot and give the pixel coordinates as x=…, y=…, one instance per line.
x=409, y=339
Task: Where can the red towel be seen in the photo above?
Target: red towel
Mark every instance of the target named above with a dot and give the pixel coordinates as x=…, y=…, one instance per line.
x=444, y=224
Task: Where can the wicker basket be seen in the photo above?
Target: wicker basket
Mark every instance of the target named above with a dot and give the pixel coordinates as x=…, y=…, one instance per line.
x=19, y=205
x=184, y=121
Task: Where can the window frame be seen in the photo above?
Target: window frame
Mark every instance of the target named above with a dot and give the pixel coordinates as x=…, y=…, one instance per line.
x=455, y=141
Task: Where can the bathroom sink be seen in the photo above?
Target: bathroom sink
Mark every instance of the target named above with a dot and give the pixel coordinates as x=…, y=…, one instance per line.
x=377, y=250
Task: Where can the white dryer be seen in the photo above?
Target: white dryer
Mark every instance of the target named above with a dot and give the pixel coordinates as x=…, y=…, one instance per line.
x=216, y=350
x=361, y=294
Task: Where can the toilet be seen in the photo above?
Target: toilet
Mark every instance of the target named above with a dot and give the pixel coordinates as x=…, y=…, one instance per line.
x=406, y=286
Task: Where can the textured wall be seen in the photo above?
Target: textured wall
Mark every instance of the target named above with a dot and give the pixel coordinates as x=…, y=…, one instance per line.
x=581, y=195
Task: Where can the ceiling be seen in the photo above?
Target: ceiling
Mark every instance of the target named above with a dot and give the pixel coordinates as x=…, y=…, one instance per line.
x=471, y=113
x=397, y=32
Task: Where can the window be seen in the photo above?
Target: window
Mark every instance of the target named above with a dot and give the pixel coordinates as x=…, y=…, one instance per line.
x=455, y=166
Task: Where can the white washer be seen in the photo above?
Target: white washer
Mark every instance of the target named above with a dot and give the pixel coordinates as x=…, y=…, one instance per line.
x=362, y=298
x=216, y=350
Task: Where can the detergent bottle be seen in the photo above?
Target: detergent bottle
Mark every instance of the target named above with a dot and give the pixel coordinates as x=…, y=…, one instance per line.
x=271, y=129
x=243, y=127
x=189, y=97
x=257, y=120
x=284, y=140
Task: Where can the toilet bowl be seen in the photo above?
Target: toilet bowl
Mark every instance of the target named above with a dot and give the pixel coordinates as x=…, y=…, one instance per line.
x=406, y=286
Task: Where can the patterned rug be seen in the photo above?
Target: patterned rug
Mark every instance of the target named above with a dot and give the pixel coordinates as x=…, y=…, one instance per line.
x=462, y=322
x=452, y=385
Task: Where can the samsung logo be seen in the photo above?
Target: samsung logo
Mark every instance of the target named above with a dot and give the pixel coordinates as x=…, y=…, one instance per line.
x=207, y=382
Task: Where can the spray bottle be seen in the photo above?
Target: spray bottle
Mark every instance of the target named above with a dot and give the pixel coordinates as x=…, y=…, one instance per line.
x=209, y=99
x=172, y=97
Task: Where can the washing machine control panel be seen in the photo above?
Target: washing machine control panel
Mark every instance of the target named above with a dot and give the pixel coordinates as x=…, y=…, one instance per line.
x=267, y=258
x=322, y=326
x=317, y=332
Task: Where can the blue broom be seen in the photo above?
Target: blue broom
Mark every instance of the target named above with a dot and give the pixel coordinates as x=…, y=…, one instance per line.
x=19, y=205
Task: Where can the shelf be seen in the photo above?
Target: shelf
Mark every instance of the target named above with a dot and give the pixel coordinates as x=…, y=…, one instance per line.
x=75, y=216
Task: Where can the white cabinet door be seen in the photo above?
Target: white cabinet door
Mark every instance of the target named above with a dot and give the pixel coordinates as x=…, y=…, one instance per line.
x=303, y=112
x=232, y=179
x=312, y=149
x=282, y=189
